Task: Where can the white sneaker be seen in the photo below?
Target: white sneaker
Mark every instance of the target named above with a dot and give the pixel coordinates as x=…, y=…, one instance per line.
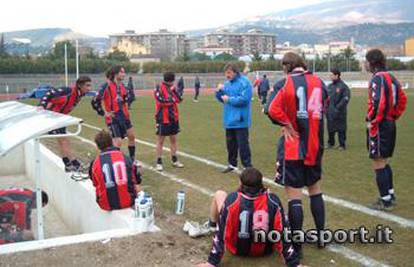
x=177, y=164
x=159, y=167
x=189, y=225
x=200, y=230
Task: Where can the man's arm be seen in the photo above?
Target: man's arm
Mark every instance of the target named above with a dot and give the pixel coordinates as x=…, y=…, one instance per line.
x=52, y=93
x=97, y=100
x=244, y=97
x=376, y=102
x=276, y=110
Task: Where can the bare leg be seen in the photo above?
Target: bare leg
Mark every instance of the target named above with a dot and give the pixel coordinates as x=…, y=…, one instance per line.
x=173, y=145
x=160, y=144
x=117, y=142
x=216, y=205
x=64, y=146
x=131, y=143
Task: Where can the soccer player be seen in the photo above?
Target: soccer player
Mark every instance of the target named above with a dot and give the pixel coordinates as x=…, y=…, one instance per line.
x=263, y=89
x=298, y=107
x=114, y=175
x=232, y=214
x=386, y=103
x=64, y=100
x=167, y=99
x=115, y=98
x=339, y=97
x=236, y=97
x=16, y=205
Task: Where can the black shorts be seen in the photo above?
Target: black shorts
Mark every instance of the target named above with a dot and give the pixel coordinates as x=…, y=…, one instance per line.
x=295, y=173
x=168, y=129
x=58, y=131
x=119, y=128
x=382, y=145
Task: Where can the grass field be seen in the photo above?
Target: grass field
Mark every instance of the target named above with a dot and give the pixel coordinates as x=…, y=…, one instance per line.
x=347, y=175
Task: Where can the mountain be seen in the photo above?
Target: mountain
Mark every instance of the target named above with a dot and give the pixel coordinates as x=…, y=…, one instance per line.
x=369, y=22
x=42, y=40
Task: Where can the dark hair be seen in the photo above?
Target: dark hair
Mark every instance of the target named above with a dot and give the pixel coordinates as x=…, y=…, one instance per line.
x=82, y=80
x=292, y=60
x=336, y=72
x=103, y=140
x=264, y=76
x=251, y=180
x=112, y=72
x=233, y=67
x=169, y=77
x=376, y=59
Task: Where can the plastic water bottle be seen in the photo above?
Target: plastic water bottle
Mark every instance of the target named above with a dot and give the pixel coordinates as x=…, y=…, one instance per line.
x=180, y=203
x=136, y=207
x=150, y=203
x=143, y=209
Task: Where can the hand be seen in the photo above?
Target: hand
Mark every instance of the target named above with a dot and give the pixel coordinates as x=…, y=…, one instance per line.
x=205, y=265
x=138, y=188
x=289, y=133
x=369, y=125
x=225, y=98
x=109, y=114
x=220, y=86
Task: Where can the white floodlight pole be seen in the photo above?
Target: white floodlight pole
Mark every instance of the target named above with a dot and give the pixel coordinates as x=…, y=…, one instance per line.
x=77, y=59
x=38, y=173
x=66, y=65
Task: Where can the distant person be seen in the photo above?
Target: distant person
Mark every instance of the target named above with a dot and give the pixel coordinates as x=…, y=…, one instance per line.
x=180, y=86
x=131, y=92
x=64, y=100
x=236, y=97
x=298, y=107
x=263, y=89
x=16, y=206
x=339, y=97
x=114, y=175
x=197, y=86
x=386, y=103
x=167, y=98
x=231, y=211
x=115, y=98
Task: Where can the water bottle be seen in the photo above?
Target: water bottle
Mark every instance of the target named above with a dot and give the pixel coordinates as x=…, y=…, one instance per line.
x=150, y=203
x=179, y=207
x=143, y=209
x=136, y=207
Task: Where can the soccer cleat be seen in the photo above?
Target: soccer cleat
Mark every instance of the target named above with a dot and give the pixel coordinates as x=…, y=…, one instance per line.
x=393, y=200
x=229, y=169
x=329, y=147
x=177, y=164
x=341, y=148
x=159, y=167
x=201, y=230
x=382, y=205
x=190, y=224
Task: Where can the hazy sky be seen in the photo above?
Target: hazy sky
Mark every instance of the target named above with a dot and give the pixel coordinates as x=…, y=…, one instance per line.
x=101, y=17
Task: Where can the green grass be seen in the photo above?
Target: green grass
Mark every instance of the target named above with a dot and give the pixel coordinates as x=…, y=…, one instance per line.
x=347, y=175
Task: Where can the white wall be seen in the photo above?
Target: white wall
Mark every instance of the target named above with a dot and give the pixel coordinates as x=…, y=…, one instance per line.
x=74, y=201
x=13, y=162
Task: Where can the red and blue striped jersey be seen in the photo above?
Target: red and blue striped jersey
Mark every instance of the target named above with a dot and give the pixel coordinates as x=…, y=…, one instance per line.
x=61, y=100
x=114, y=178
x=301, y=103
x=242, y=215
x=17, y=204
x=386, y=100
x=166, y=104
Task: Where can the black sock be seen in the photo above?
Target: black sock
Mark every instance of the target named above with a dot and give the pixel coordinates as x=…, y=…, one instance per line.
x=318, y=211
x=383, y=184
x=174, y=158
x=75, y=163
x=295, y=215
x=66, y=161
x=159, y=161
x=212, y=224
x=390, y=181
x=131, y=150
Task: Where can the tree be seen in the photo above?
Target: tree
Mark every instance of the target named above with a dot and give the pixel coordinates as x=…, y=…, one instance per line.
x=3, y=52
x=257, y=56
x=199, y=57
x=118, y=56
x=225, y=57
x=58, y=50
x=349, y=55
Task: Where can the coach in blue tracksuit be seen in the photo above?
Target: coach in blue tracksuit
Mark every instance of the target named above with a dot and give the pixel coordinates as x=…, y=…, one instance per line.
x=236, y=96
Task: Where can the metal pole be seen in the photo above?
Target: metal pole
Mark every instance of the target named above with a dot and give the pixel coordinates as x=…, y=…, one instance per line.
x=77, y=59
x=66, y=65
x=38, y=173
x=314, y=64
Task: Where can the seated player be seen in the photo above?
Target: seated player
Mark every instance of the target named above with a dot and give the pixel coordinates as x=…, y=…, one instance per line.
x=167, y=99
x=16, y=205
x=114, y=176
x=386, y=103
x=115, y=98
x=64, y=100
x=298, y=107
x=232, y=213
